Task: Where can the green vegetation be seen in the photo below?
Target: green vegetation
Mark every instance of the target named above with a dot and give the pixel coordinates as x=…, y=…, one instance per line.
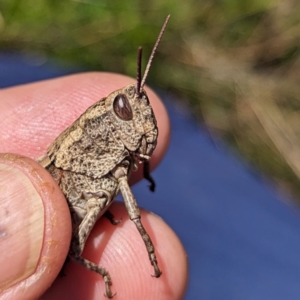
x=235, y=62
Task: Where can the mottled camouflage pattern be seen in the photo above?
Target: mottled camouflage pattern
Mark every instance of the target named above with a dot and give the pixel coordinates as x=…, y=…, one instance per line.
x=92, y=160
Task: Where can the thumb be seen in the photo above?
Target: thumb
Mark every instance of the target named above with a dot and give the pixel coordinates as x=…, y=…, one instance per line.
x=35, y=228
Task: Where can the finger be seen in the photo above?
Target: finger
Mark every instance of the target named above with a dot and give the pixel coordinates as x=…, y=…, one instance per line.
x=35, y=228
x=120, y=249
x=33, y=115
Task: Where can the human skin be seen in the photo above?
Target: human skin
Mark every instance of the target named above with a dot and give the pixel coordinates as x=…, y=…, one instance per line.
x=35, y=226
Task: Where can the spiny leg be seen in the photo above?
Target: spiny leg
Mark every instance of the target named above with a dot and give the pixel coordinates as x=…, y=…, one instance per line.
x=94, y=207
x=120, y=173
x=149, y=246
x=99, y=270
x=86, y=226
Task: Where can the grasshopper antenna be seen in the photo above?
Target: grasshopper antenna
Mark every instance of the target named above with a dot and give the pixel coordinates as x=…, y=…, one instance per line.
x=153, y=53
x=139, y=85
x=139, y=71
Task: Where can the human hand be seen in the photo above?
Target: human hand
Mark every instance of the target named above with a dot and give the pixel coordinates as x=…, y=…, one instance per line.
x=35, y=225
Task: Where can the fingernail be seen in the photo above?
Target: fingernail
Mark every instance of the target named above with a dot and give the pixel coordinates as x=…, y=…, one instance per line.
x=21, y=226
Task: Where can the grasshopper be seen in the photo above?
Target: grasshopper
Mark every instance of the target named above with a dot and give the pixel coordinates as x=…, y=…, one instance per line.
x=93, y=158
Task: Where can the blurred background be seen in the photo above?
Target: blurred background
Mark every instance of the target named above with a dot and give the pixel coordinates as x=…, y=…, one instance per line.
x=235, y=63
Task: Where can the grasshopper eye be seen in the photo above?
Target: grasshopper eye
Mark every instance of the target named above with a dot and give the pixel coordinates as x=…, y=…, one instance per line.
x=122, y=107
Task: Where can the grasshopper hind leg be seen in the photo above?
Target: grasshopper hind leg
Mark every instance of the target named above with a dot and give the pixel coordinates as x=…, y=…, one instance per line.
x=99, y=270
x=94, y=207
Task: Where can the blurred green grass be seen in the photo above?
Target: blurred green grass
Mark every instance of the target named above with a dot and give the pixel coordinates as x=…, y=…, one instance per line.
x=236, y=63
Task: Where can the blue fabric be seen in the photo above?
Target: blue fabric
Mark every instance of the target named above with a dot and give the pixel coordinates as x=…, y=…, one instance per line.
x=241, y=236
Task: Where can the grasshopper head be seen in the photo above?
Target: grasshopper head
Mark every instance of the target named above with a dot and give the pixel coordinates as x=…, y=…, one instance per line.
x=133, y=120
x=132, y=113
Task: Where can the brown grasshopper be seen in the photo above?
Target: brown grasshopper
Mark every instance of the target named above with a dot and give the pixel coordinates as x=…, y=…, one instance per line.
x=92, y=160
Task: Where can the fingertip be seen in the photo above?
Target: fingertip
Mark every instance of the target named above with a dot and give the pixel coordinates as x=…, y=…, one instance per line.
x=36, y=228
x=121, y=251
